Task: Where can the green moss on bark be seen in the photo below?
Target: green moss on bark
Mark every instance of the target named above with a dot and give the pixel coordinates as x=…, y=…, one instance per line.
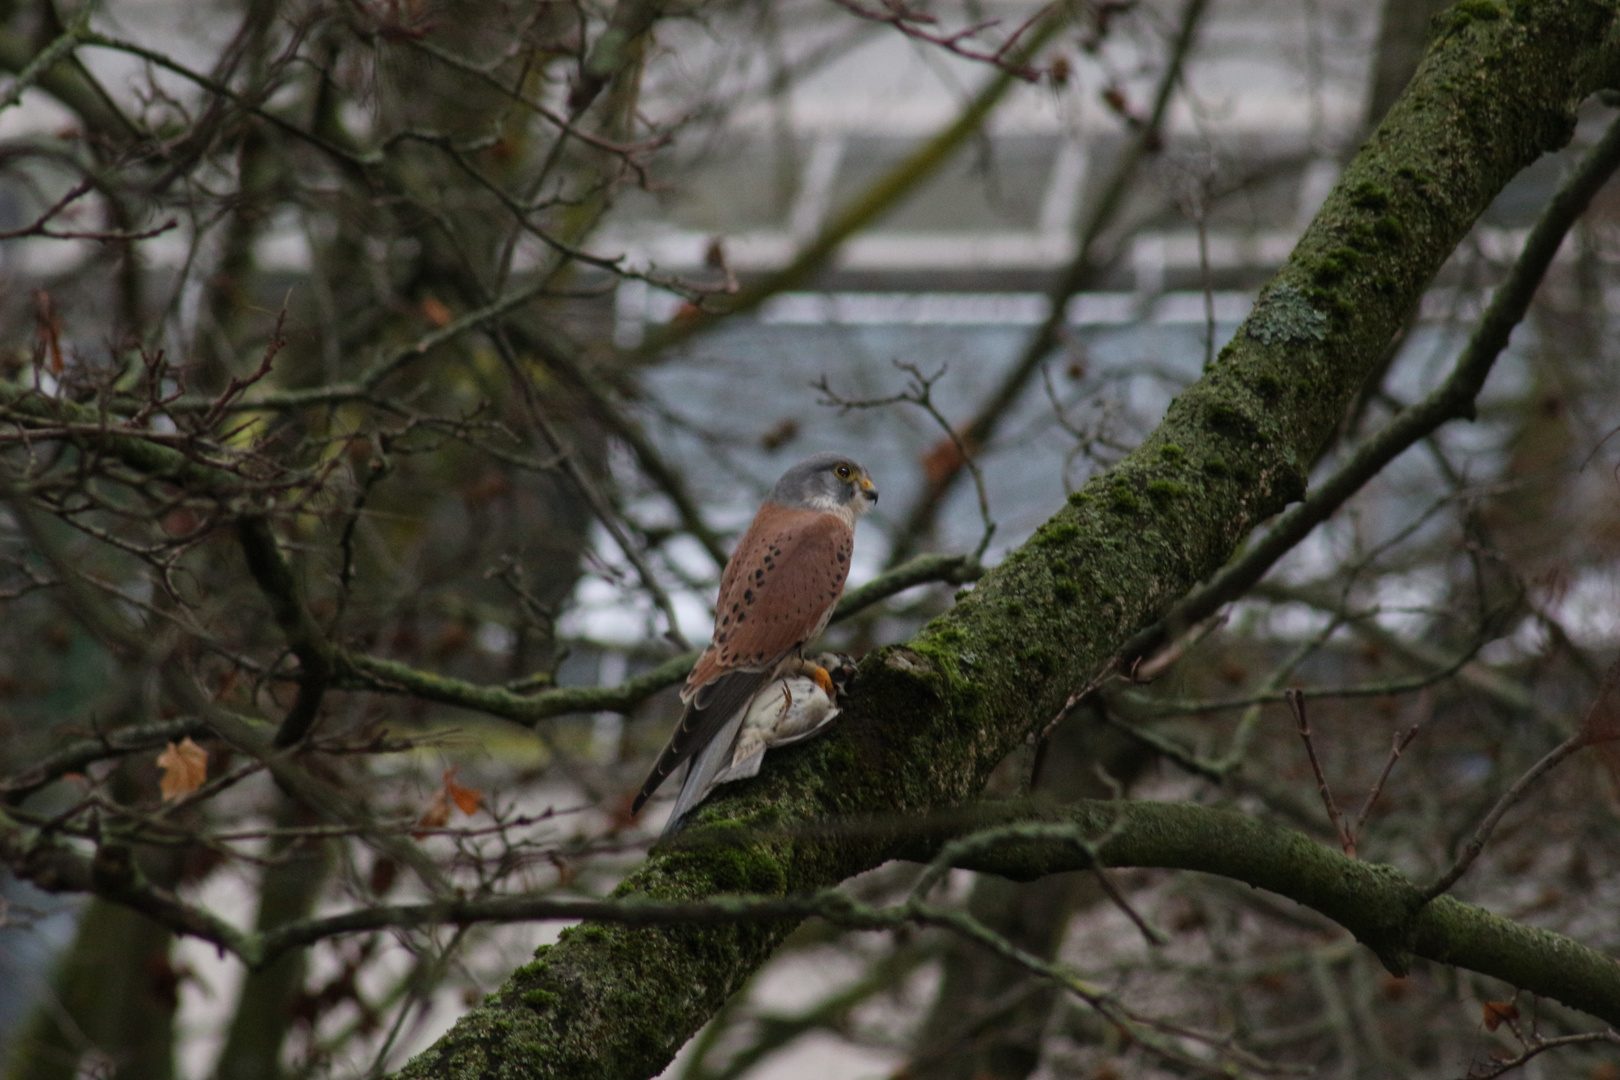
x=929, y=720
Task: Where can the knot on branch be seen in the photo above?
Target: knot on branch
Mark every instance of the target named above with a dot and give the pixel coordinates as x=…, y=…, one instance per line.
x=1390, y=930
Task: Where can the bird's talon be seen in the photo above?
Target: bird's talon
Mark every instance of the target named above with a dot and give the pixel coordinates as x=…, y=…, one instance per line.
x=823, y=679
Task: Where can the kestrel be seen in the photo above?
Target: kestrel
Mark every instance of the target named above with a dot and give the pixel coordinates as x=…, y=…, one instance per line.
x=776, y=595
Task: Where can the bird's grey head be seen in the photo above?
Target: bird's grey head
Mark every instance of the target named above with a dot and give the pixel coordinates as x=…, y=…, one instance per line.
x=829, y=482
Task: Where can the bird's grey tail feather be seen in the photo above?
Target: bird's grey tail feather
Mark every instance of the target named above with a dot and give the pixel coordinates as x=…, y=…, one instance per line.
x=705, y=715
x=701, y=773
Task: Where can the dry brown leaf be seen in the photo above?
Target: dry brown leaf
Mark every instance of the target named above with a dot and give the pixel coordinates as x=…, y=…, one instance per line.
x=48, y=331
x=944, y=459
x=437, y=813
x=465, y=798
x=185, y=767
x=383, y=874
x=1601, y=729
x=1498, y=1013
x=435, y=311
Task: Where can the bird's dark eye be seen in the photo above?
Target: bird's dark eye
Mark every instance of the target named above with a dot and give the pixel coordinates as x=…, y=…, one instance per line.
x=843, y=472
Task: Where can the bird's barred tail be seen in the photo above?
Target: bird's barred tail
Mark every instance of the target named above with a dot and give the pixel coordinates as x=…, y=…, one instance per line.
x=707, y=765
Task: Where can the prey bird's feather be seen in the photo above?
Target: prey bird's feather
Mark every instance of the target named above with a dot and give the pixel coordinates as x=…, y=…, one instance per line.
x=705, y=717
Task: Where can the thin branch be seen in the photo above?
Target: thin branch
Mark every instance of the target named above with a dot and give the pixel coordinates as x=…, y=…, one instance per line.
x=1398, y=745
x=564, y=359
x=116, y=743
x=1166, y=707
x=47, y=58
x=317, y=658
x=915, y=24
x=1536, y=1046
x=920, y=392
x=1296, y=704
x=112, y=874
x=359, y=671
x=1482, y=834
x=594, y=497
x=1377, y=904
x=870, y=205
x=982, y=428
x=356, y=162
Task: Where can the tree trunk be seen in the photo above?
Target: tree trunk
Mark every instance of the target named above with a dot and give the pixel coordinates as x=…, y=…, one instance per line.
x=931, y=718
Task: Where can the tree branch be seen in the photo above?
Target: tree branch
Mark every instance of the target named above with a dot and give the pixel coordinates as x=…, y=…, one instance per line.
x=116, y=743
x=876, y=200
x=978, y=432
x=1383, y=909
x=1451, y=400
x=317, y=659
x=929, y=720
x=375, y=673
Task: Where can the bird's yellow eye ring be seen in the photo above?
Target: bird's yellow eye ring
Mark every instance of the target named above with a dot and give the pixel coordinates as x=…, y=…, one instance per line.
x=843, y=472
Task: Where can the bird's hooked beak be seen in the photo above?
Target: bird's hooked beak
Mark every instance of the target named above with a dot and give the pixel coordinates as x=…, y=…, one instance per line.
x=869, y=489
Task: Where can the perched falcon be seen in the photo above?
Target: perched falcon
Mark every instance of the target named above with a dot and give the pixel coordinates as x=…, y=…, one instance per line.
x=776, y=596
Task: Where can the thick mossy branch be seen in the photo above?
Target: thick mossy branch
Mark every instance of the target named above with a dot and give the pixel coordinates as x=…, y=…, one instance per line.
x=929, y=720
x=1378, y=904
x=1451, y=400
x=99, y=434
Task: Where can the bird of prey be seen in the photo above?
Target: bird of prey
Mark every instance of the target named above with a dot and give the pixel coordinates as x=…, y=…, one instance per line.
x=776, y=595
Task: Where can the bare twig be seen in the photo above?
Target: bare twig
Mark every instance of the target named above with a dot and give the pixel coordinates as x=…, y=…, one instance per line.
x=1482, y=834
x=1536, y=1045
x=877, y=200
x=1399, y=743
x=915, y=24
x=47, y=58
x=1296, y=704
x=359, y=671
x=317, y=658
x=598, y=502
x=919, y=391
x=982, y=428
